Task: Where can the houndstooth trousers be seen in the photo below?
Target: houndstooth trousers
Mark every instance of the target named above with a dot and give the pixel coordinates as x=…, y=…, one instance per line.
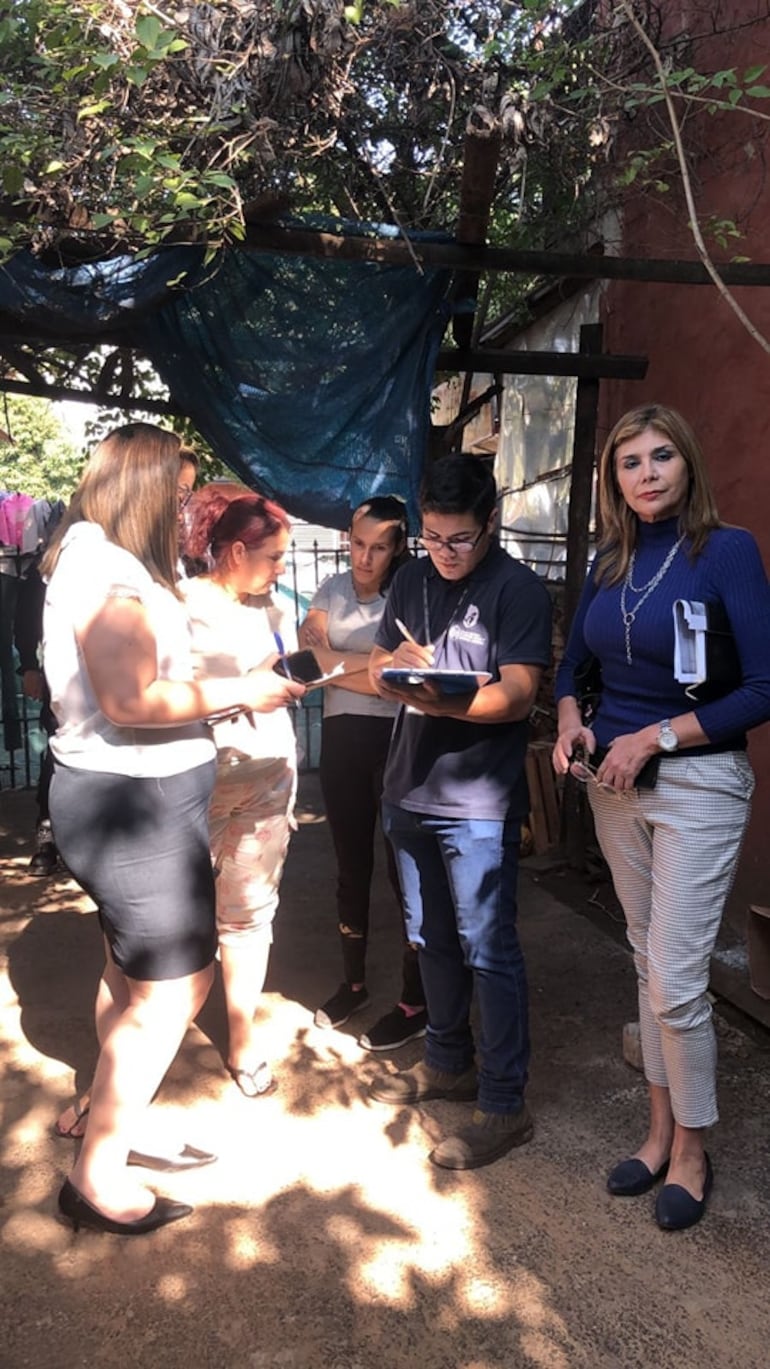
x=673, y=851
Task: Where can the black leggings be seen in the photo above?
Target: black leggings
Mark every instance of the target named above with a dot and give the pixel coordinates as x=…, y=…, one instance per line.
x=354, y=749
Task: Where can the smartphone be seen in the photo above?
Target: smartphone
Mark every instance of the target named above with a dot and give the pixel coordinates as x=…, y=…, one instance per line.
x=302, y=666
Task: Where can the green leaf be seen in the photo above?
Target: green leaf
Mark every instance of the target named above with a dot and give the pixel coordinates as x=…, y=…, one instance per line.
x=148, y=30
x=187, y=200
x=219, y=178
x=105, y=59
x=758, y=92
x=13, y=179
x=53, y=167
x=676, y=78
x=136, y=76
x=753, y=73
x=91, y=110
x=724, y=78
x=165, y=41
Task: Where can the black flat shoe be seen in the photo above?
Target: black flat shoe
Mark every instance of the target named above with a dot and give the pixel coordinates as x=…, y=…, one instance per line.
x=80, y=1212
x=631, y=1178
x=676, y=1209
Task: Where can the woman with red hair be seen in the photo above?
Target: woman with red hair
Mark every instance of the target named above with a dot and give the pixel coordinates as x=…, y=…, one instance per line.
x=236, y=628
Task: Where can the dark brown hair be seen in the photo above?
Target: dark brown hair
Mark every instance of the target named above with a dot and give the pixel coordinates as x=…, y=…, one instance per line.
x=189, y=455
x=129, y=487
x=619, y=524
x=459, y=484
x=387, y=508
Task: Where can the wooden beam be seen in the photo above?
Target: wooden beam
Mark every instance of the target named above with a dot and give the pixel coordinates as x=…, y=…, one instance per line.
x=454, y=256
x=105, y=401
x=578, y=524
x=581, y=481
x=497, y=361
x=512, y=363
x=481, y=153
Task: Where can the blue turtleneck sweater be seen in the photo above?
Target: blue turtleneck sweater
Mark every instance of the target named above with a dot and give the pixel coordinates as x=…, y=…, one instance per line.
x=729, y=570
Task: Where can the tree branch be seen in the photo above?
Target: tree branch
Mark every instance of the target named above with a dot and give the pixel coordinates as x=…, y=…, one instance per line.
x=695, y=229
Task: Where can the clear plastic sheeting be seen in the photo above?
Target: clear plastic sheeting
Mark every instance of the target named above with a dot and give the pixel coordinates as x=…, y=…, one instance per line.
x=534, y=455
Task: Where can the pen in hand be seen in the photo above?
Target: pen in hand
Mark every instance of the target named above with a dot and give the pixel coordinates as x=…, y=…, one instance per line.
x=408, y=637
x=281, y=649
x=405, y=633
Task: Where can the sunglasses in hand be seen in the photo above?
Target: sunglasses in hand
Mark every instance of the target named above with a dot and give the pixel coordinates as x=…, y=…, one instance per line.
x=583, y=771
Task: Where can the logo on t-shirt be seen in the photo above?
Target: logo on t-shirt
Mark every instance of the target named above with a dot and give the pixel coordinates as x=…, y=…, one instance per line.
x=467, y=631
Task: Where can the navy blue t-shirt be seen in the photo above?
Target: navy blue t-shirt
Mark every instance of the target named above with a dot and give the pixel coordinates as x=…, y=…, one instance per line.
x=498, y=615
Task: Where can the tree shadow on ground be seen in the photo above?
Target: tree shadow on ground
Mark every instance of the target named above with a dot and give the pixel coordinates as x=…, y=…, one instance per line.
x=324, y=1237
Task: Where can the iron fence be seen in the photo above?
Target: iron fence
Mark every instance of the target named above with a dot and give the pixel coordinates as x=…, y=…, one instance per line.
x=306, y=566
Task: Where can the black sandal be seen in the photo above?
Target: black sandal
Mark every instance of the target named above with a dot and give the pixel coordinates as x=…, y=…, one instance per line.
x=70, y=1133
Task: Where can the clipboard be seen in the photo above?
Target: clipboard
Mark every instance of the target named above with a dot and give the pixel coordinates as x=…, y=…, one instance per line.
x=446, y=681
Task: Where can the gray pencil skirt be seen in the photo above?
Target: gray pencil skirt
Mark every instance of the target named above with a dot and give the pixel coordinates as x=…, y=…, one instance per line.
x=140, y=849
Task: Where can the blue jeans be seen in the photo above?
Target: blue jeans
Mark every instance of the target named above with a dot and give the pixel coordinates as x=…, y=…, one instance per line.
x=458, y=879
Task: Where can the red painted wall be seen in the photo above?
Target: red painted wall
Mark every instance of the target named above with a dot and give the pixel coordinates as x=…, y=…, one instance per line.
x=702, y=359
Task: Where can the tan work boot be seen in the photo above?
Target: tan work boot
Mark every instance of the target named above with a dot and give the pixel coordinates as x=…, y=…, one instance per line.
x=423, y=1082
x=489, y=1136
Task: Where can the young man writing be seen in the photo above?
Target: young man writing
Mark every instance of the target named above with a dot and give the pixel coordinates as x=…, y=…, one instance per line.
x=454, y=796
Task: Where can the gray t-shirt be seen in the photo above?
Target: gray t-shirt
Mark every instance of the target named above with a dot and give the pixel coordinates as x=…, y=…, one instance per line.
x=350, y=626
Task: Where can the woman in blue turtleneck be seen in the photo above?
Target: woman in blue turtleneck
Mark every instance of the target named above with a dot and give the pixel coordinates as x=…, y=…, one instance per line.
x=672, y=848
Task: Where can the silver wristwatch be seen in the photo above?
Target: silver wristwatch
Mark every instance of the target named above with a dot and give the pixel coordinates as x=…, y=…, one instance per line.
x=667, y=738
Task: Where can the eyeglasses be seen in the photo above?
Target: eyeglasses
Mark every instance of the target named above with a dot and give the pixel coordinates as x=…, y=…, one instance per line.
x=183, y=496
x=585, y=773
x=456, y=546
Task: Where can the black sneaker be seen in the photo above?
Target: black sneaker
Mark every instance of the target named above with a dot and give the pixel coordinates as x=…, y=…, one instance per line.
x=46, y=857
x=337, y=1009
x=394, y=1030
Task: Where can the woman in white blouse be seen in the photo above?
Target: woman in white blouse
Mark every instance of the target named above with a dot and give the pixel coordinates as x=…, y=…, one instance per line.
x=134, y=768
x=236, y=627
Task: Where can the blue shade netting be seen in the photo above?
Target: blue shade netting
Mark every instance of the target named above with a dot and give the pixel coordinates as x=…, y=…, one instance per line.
x=309, y=377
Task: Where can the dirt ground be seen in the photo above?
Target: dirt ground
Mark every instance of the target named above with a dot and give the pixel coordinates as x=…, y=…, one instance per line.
x=323, y=1238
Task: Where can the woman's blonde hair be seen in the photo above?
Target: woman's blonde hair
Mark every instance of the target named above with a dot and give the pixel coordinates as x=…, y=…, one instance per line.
x=129, y=487
x=618, y=522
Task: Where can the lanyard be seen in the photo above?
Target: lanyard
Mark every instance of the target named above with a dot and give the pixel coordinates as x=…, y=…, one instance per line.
x=440, y=643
